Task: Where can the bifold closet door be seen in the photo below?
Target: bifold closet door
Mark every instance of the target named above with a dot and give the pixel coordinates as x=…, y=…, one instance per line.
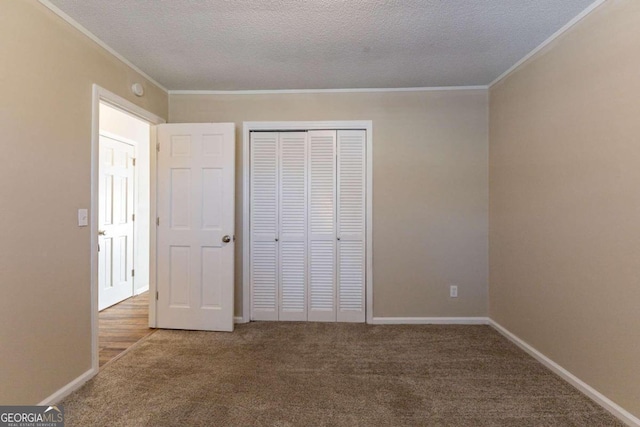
x=307, y=219
x=292, y=242
x=279, y=225
x=264, y=226
x=351, y=228
x=322, y=226
x=337, y=226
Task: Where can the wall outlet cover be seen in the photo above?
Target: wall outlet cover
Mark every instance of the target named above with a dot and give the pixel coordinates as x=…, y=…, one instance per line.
x=83, y=217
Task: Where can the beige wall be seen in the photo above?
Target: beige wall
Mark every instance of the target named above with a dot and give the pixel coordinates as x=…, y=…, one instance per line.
x=565, y=202
x=46, y=72
x=430, y=187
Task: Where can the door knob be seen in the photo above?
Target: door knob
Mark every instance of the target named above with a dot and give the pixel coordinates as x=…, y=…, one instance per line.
x=102, y=233
x=226, y=239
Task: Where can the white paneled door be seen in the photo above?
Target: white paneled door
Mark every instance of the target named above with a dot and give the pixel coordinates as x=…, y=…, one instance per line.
x=308, y=226
x=195, y=228
x=115, y=221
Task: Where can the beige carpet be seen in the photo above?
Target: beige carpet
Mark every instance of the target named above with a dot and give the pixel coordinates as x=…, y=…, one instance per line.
x=311, y=374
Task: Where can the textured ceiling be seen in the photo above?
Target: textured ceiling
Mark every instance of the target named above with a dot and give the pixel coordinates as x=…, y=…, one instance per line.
x=322, y=44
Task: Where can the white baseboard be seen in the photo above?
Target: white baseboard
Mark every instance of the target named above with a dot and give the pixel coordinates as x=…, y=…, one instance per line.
x=141, y=290
x=414, y=320
x=69, y=388
x=430, y=321
x=615, y=409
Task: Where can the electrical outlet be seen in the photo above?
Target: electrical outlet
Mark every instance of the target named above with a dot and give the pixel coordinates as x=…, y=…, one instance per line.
x=453, y=291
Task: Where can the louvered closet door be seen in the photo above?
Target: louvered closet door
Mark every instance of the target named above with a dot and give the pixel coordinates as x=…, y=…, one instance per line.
x=293, y=226
x=351, y=226
x=308, y=226
x=264, y=226
x=322, y=226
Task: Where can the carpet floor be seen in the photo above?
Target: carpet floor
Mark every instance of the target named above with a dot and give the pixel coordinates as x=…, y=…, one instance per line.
x=330, y=374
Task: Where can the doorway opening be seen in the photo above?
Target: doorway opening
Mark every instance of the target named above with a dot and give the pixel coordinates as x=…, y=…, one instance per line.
x=122, y=218
x=123, y=206
x=123, y=230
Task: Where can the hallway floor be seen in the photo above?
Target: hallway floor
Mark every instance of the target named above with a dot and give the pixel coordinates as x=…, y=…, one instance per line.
x=122, y=325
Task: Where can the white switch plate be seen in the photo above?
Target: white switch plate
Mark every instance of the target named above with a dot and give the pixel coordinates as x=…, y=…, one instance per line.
x=83, y=217
x=453, y=291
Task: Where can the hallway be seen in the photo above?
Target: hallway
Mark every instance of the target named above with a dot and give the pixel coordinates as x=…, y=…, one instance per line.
x=123, y=325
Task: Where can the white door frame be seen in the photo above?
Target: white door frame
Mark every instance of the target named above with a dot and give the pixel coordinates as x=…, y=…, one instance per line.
x=248, y=127
x=102, y=95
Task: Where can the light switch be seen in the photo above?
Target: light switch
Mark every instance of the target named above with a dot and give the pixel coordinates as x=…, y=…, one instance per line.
x=83, y=217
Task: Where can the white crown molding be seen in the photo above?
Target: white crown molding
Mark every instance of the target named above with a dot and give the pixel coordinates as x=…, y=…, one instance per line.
x=615, y=409
x=430, y=321
x=299, y=91
x=99, y=42
x=548, y=41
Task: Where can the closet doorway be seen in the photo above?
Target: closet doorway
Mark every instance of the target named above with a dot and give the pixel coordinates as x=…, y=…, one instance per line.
x=307, y=220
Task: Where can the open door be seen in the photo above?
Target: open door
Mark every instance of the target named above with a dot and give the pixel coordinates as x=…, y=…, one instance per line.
x=115, y=221
x=195, y=228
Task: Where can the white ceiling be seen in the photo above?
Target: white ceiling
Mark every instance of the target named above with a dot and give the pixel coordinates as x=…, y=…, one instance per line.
x=322, y=44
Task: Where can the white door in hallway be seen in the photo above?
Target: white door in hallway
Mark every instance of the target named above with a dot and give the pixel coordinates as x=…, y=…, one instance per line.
x=195, y=227
x=115, y=221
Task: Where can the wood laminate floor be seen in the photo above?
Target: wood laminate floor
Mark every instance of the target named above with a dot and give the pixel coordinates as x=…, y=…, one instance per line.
x=123, y=325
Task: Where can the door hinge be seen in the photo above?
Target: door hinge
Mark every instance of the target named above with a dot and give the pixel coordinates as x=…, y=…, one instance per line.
x=157, y=295
x=134, y=161
x=133, y=217
x=133, y=273
x=158, y=221
x=98, y=247
x=158, y=147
